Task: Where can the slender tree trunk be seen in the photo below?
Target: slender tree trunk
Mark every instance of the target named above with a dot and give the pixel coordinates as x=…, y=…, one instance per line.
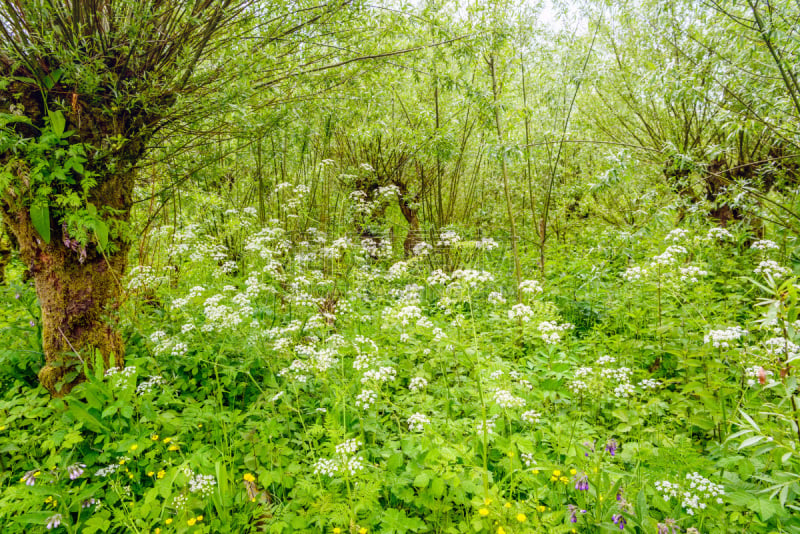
x=504, y=168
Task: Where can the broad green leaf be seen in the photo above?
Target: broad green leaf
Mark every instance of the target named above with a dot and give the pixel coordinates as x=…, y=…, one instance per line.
x=422, y=480
x=101, y=232
x=57, y=122
x=40, y=217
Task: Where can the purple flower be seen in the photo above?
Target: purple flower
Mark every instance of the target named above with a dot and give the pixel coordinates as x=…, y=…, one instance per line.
x=589, y=445
x=75, y=470
x=54, y=522
x=619, y=520
x=582, y=482
x=573, y=513
x=619, y=494
x=669, y=526
x=611, y=446
x=88, y=502
x=29, y=478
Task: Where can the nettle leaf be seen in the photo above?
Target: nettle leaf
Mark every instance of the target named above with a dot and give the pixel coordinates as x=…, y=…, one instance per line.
x=40, y=217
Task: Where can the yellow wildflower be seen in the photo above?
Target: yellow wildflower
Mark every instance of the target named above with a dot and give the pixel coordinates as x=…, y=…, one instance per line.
x=487, y=501
x=362, y=531
x=535, y=471
x=337, y=530
x=2, y=427
x=166, y=440
x=521, y=518
x=249, y=477
x=507, y=505
x=172, y=448
x=199, y=517
x=556, y=473
x=541, y=508
x=573, y=472
x=151, y=473
x=564, y=479
x=484, y=511
x=154, y=437
x=161, y=474
x=501, y=530
x=168, y=521
x=157, y=531
x=134, y=447
x=191, y=521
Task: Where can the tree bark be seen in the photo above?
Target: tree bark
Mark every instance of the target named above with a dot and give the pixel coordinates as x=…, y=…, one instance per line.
x=77, y=287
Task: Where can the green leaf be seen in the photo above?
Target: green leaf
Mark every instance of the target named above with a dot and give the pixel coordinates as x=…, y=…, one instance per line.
x=101, y=232
x=396, y=521
x=749, y=442
x=395, y=462
x=91, y=422
x=422, y=480
x=57, y=122
x=40, y=217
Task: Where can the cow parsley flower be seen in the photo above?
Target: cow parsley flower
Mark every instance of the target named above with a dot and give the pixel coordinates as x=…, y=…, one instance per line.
x=417, y=422
x=773, y=269
x=764, y=244
x=417, y=384
x=530, y=287
x=496, y=298
x=635, y=274
x=722, y=338
x=522, y=312
x=202, y=484
x=531, y=416
x=366, y=399
x=506, y=400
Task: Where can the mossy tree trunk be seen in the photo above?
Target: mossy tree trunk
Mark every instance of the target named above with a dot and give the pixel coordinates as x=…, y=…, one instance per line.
x=78, y=287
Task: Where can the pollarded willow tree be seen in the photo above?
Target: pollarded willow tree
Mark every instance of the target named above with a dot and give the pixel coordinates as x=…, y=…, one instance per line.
x=85, y=86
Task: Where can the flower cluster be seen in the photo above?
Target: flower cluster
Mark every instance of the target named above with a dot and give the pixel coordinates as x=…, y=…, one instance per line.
x=417, y=384
x=551, y=331
x=718, y=234
x=522, y=312
x=506, y=400
x=772, y=269
x=202, y=484
x=530, y=287
x=635, y=274
x=531, y=416
x=347, y=461
x=695, y=496
x=417, y=422
x=764, y=244
x=668, y=257
x=691, y=274
x=149, y=384
x=366, y=399
x=722, y=338
x=471, y=277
